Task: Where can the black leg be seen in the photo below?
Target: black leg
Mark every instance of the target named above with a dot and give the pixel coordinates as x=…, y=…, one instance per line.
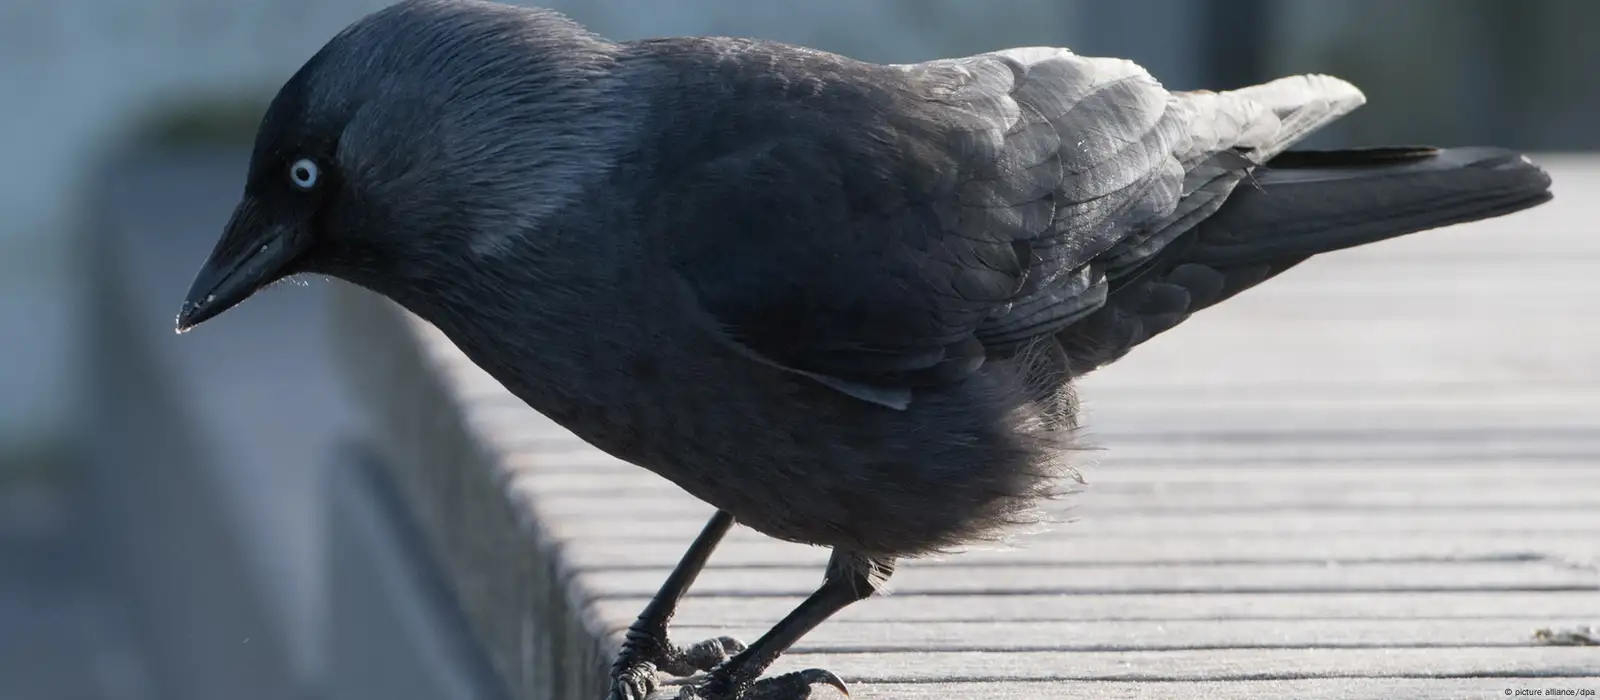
x=646, y=650
x=850, y=578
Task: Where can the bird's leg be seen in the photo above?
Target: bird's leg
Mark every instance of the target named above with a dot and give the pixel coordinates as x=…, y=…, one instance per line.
x=850, y=578
x=646, y=649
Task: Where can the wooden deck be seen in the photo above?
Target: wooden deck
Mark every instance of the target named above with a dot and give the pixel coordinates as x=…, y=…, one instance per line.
x=1376, y=476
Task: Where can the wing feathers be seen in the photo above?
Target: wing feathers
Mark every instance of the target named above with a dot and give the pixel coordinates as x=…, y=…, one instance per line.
x=1162, y=162
x=886, y=227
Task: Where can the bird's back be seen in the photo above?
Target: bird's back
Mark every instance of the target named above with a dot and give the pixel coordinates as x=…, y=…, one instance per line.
x=889, y=227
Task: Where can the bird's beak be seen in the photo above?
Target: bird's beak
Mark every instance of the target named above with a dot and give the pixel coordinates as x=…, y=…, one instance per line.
x=251, y=254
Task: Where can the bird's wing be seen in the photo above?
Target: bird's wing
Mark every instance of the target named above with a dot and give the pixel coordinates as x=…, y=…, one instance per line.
x=894, y=225
x=1202, y=147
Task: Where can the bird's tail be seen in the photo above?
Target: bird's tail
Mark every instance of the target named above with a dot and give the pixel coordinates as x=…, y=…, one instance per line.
x=1300, y=204
x=1303, y=203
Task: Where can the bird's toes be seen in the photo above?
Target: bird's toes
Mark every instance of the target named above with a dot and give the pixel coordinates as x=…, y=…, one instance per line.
x=799, y=685
x=634, y=682
x=707, y=655
x=703, y=656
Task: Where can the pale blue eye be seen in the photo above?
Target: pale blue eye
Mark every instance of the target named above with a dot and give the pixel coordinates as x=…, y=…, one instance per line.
x=304, y=173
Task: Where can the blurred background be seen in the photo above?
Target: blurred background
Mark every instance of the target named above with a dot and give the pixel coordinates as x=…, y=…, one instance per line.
x=162, y=500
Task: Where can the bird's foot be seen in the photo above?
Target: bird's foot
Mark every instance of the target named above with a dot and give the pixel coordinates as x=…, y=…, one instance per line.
x=633, y=674
x=789, y=686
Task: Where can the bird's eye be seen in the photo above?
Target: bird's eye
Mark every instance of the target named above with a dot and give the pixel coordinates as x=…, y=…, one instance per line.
x=304, y=173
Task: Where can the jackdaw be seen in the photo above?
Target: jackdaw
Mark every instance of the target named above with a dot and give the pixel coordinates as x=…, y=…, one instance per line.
x=841, y=302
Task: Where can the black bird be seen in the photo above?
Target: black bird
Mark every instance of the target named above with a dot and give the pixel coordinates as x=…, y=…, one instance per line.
x=840, y=302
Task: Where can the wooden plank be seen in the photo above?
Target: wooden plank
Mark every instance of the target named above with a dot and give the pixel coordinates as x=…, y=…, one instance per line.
x=754, y=551
x=1182, y=463
x=1252, y=457
x=1299, y=688
x=1123, y=635
x=1197, y=665
x=1562, y=607
x=665, y=500
x=1012, y=580
x=1529, y=521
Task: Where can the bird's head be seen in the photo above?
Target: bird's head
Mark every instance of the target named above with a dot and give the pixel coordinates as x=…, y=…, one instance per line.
x=425, y=133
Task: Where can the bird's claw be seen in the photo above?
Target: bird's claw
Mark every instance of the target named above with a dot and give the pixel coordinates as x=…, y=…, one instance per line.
x=703, y=656
x=633, y=682
x=633, y=675
x=789, y=686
